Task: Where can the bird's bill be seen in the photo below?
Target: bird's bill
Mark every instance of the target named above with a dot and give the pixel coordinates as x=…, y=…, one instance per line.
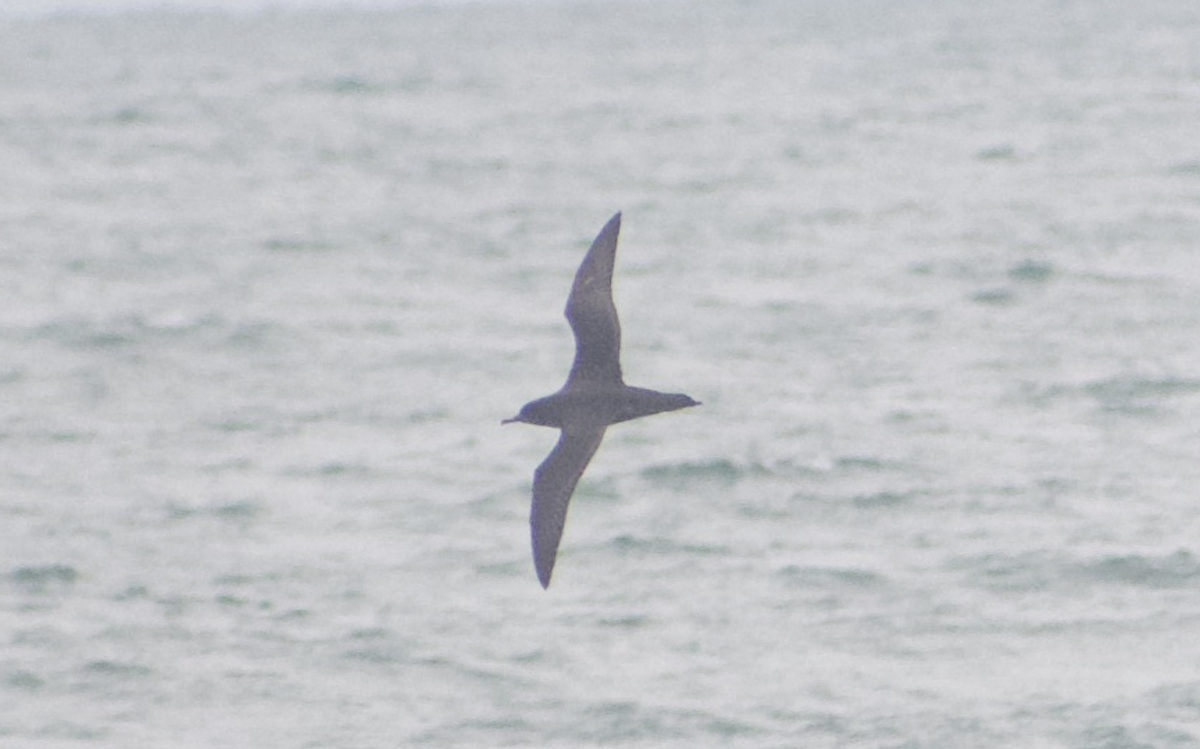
x=513, y=420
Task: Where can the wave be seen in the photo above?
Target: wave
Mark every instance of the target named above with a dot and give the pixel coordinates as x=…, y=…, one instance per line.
x=1174, y=570
x=44, y=575
x=1129, y=394
x=831, y=577
x=729, y=470
x=118, y=331
x=1044, y=571
x=720, y=469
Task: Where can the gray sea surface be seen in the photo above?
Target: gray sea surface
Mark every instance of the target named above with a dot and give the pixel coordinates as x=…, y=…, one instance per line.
x=270, y=280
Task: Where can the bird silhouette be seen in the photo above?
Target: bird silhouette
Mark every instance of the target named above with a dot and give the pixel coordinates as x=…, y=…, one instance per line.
x=595, y=395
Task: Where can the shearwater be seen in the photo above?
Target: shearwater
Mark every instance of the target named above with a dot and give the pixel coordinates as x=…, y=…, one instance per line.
x=594, y=396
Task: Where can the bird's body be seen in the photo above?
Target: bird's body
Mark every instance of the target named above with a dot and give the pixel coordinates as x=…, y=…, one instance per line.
x=600, y=406
x=594, y=396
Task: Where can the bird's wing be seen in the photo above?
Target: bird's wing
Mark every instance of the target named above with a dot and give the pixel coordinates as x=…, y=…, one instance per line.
x=593, y=316
x=553, y=484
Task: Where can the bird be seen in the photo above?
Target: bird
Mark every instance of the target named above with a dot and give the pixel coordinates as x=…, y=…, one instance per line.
x=594, y=397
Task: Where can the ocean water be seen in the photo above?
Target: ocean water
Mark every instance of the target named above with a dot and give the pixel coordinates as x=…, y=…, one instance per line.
x=270, y=281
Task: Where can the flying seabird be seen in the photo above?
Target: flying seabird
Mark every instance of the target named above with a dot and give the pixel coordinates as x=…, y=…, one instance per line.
x=594, y=396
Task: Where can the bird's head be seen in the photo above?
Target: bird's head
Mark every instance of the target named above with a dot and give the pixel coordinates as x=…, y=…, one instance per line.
x=526, y=416
x=540, y=412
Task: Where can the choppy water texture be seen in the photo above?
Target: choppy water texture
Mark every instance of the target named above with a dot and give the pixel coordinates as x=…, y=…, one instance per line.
x=270, y=282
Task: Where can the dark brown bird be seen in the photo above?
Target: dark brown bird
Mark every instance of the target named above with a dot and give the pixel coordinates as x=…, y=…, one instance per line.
x=594, y=396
